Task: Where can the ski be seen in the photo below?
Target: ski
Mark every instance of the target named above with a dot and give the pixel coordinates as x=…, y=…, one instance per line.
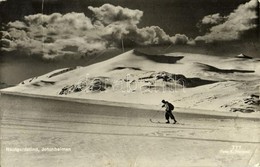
x=160, y=122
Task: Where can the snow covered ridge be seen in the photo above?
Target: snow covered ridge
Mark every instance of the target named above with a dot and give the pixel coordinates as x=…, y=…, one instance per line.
x=145, y=81
x=253, y=100
x=243, y=56
x=187, y=80
x=49, y=75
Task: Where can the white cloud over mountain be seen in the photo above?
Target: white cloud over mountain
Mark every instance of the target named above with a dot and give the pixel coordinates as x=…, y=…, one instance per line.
x=108, y=14
x=231, y=27
x=213, y=19
x=76, y=35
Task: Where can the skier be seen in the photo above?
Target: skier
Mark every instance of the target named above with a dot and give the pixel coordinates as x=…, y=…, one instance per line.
x=168, y=114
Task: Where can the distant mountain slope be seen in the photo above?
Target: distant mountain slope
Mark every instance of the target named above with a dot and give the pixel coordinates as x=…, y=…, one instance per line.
x=188, y=80
x=4, y=85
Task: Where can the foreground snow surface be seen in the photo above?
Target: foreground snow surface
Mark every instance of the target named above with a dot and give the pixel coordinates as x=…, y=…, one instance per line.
x=107, y=136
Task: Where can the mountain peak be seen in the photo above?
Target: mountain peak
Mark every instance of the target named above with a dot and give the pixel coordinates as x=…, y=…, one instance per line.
x=243, y=56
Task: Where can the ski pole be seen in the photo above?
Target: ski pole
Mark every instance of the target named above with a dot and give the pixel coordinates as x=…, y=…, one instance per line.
x=154, y=115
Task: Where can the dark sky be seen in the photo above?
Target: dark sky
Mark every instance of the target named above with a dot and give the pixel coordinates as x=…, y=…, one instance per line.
x=174, y=16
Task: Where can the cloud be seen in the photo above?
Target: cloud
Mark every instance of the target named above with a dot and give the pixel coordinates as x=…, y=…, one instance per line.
x=122, y=23
x=181, y=39
x=108, y=14
x=52, y=35
x=230, y=27
x=150, y=35
x=76, y=35
x=212, y=19
x=2, y=1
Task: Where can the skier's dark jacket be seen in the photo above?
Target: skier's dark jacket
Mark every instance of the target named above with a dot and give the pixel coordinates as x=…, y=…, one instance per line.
x=169, y=107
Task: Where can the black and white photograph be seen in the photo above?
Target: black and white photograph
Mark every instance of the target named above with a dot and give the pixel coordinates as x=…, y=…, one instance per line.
x=130, y=83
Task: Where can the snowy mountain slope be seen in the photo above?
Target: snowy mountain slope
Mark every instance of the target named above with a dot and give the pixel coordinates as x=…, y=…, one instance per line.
x=188, y=80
